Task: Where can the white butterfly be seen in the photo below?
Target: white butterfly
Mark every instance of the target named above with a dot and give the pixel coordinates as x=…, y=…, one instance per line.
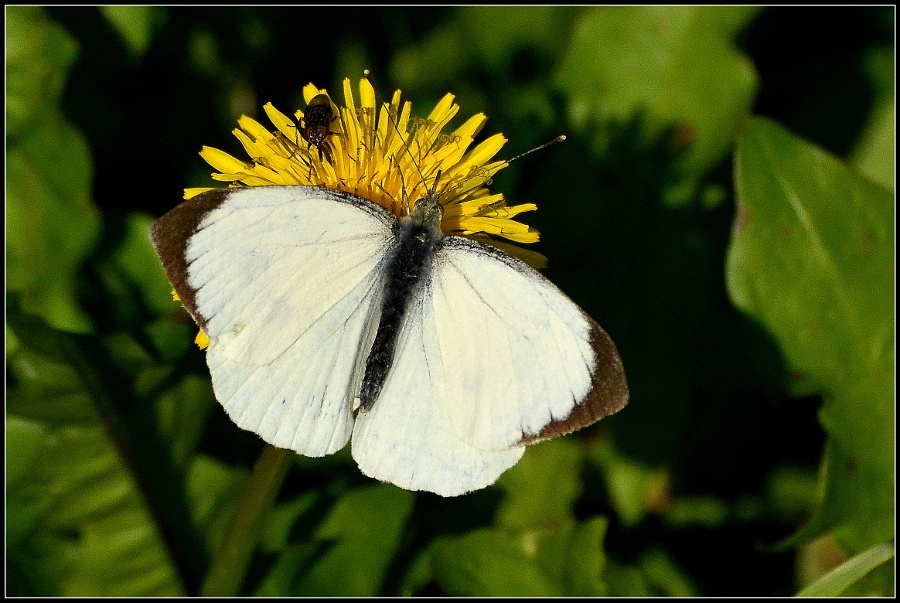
x=329, y=318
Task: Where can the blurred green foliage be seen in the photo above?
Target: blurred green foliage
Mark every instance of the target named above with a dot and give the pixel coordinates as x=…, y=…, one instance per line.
x=743, y=265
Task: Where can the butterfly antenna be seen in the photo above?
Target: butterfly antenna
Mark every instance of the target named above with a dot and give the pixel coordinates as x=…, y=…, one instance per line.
x=549, y=143
x=405, y=192
x=368, y=75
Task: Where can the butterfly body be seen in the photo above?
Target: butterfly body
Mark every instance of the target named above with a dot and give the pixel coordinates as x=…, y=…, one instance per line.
x=418, y=237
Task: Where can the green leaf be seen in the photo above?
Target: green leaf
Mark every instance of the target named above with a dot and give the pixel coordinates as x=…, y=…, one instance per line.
x=214, y=489
x=23, y=441
x=494, y=33
x=574, y=557
x=276, y=532
x=291, y=563
x=840, y=578
x=564, y=560
x=662, y=573
x=626, y=581
x=874, y=153
x=358, y=549
x=51, y=222
x=182, y=411
x=135, y=24
x=25, y=503
x=634, y=488
x=542, y=488
x=38, y=55
x=491, y=563
x=676, y=66
x=482, y=36
x=812, y=259
x=81, y=487
x=86, y=526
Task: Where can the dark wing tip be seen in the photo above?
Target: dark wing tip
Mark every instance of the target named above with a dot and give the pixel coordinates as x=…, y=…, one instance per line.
x=608, y=394
x=170, y=235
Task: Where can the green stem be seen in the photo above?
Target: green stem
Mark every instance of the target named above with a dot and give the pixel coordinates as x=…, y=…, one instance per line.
x=229, y=565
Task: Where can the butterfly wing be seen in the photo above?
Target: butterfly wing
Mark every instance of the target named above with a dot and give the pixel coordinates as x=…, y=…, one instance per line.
x=286, y=283
x=523, y=361
x=405, y=438
x=491, y=356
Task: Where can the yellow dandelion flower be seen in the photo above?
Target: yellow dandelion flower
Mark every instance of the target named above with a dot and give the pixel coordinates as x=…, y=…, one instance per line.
x=383, y=155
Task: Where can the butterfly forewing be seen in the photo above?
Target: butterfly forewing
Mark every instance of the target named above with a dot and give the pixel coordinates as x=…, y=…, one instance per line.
x=521, y=358
x=270, y=262
x=286, y=282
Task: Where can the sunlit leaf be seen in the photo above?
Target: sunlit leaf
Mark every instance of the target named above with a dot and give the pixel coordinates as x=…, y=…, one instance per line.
x=136, y=258
x=88, y=523
x=812, y=258
x=874, y=154
x=675, y=66
x=86, y=491
x=490, y=563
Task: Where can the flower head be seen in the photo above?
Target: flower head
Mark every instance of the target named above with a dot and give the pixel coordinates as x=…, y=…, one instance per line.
x=382, y=155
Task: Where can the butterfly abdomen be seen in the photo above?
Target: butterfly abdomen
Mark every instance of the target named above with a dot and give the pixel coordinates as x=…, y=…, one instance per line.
x=410, y=260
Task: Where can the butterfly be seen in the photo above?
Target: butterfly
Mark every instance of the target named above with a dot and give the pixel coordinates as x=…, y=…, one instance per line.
x=328, y=317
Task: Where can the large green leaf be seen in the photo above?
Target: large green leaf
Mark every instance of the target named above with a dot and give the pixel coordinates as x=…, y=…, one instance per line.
x=675, y=66
x=100, y=505
x=350, y=531
x=82, y=527
x=812, y=259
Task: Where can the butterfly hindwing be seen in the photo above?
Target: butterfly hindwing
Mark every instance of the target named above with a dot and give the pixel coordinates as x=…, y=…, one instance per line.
x=405, y=438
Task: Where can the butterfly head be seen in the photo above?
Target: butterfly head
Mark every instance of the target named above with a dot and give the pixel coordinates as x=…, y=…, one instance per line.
x=428, y=210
